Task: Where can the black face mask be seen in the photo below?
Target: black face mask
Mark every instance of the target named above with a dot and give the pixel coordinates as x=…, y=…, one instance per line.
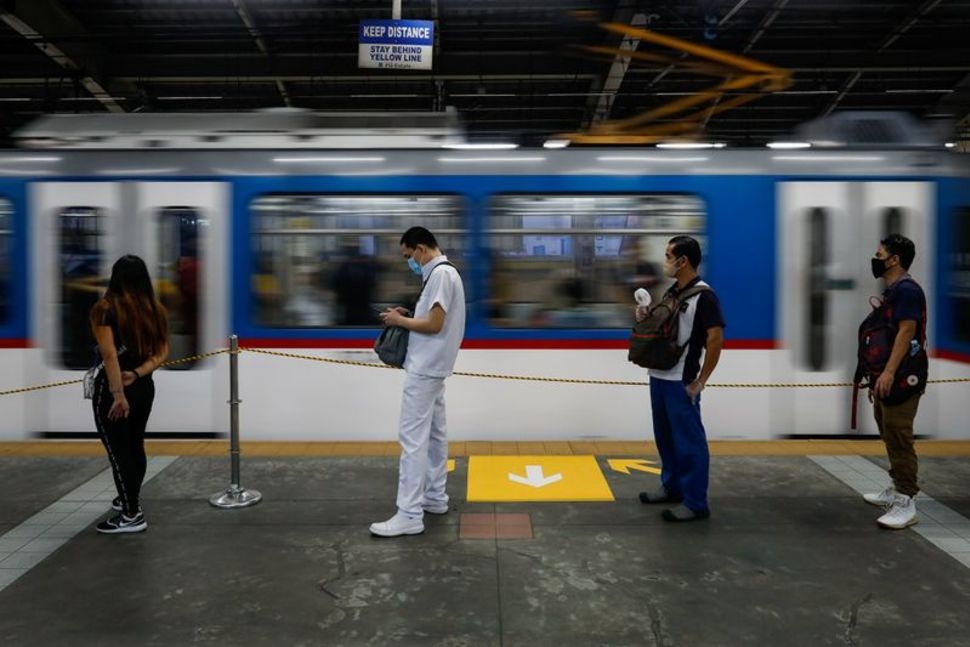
x=878, y=267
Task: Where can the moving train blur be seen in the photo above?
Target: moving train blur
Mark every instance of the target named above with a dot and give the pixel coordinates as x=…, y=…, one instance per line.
x=290, y=241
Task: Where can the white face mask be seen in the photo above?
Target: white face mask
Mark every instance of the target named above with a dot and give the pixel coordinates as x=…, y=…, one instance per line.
x=670, y=269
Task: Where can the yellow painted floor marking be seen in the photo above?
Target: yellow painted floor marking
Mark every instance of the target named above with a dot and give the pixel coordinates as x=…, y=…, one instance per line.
x=536, y=478
x=624, y=465
x=451, y=464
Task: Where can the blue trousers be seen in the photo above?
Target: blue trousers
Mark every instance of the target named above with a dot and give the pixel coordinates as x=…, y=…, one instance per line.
x=681, y=442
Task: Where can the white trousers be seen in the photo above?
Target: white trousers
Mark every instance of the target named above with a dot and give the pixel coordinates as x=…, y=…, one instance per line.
x=423, y=470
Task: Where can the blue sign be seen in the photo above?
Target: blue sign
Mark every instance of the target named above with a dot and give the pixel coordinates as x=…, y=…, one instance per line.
x=396, y=44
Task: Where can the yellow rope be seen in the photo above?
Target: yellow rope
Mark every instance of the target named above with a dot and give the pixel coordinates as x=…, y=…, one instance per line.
x=491, y=376
x=564, y=380
x=173, y=362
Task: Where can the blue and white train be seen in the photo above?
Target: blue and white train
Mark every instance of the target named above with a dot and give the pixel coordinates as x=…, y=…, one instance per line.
x=291, y=246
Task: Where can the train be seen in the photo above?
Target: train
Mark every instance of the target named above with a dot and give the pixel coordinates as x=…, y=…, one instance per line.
x=290, y=241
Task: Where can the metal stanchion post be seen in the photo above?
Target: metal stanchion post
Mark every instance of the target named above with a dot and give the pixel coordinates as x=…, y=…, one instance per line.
x=235, y=496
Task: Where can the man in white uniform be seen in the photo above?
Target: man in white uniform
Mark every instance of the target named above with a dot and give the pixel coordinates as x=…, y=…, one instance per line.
x=437, y=328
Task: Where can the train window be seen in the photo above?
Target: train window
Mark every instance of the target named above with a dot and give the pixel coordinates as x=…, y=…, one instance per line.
x=892, y=221
x=81, y=282
x=6, y=249
x=959, y=279
x=817, y=292
x=328, y=260
x=574, y=261
x=181, y=230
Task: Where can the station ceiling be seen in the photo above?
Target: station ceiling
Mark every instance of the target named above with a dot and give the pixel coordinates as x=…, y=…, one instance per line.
x=513, y=69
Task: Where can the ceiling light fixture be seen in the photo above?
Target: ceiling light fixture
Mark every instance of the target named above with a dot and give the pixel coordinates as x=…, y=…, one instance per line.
x=788, y=146
x=480, y=146
x=687, y=146
x=313, y=160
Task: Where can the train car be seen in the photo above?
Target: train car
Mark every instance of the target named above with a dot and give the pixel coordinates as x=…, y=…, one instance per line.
x=290, y=241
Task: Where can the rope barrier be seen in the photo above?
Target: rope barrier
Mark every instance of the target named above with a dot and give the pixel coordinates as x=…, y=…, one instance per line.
x=564, y=380
x=490, y=376
x=52, y=385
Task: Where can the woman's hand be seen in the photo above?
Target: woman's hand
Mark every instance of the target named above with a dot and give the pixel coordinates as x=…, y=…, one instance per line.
x=128, y=378
x=119, y=408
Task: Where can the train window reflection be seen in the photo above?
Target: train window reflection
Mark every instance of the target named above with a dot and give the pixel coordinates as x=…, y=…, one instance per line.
x=574, y=261
x=817, y=292
x=81, y=282
x=892, y=221
x=6, y=249
x=328, y=260
x=180, y=232
x=959, y=279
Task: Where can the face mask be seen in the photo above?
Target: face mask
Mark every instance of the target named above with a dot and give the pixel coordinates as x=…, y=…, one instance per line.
x=670, y=269
x=878, y=267
x=415, y=266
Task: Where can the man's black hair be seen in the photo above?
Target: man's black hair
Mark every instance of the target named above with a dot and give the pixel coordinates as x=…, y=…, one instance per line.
x=689, y=247
x=898, y=245
x=419, y=236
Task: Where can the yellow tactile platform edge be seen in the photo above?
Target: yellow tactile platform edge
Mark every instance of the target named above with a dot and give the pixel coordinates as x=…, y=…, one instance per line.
x=487, y=448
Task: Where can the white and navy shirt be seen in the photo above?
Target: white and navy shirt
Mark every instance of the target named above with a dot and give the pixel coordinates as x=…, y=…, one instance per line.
x=433, y=355
x=702, y=311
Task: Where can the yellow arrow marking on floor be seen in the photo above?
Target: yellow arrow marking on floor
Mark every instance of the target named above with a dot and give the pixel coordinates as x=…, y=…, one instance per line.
x=626, y=464
x=451, y=464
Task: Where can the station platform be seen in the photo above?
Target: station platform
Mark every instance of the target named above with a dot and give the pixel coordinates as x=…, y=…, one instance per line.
x=791, y=554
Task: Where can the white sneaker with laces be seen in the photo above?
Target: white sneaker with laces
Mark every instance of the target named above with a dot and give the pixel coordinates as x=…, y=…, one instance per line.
x=900, y=514
x=884, y=498
x=397, y=525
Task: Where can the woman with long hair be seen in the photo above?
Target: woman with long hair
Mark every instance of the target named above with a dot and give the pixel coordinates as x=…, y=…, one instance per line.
x=131, y=328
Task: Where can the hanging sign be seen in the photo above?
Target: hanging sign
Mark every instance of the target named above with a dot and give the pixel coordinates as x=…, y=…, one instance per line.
x=396, y=44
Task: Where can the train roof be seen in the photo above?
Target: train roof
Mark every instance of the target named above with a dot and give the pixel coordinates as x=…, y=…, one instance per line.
x=173, y=163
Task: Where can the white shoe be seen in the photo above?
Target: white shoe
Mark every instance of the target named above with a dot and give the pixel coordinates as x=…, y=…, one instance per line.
x=435, y=507
x=900, y=514
x=397, y=525
x=884, y=498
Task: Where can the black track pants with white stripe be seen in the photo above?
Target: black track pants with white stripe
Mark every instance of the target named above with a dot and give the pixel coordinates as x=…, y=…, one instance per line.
x=124, y=439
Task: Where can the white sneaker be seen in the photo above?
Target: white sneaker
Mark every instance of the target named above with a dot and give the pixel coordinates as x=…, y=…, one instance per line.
x=900, y=514
x=884, y=498
x=435, y=507
x=397, y=525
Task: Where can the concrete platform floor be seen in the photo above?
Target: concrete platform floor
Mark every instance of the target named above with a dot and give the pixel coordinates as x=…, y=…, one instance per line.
x=791, y=556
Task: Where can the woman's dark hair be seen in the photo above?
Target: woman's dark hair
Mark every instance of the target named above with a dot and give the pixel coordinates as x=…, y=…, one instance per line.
x=142, y=319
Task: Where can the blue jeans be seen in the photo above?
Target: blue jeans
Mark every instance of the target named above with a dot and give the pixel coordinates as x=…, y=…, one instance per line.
x=681, y=442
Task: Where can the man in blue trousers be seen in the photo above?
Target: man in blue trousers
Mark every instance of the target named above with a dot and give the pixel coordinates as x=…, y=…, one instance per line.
x=675, y=394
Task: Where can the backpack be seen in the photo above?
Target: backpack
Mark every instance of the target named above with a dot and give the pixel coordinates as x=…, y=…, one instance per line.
x=653, y=341
x=876, y=337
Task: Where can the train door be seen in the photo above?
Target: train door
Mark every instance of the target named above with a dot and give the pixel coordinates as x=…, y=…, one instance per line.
x=78, y=230
x=827, y=232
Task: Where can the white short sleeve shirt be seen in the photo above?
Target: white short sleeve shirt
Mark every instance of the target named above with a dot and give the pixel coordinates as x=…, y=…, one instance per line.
x=434, y=355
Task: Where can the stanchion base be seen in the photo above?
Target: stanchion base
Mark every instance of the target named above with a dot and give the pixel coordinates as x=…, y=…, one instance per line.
x=235, y=497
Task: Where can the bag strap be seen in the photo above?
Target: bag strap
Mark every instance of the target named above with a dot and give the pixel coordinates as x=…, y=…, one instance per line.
x=425, y=282
x=689, y=292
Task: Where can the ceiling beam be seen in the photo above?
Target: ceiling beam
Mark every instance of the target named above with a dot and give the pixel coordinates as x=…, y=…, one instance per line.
x=42, y=22
x=891, y=38
x=614, y=78
x=763, y=26
x=247, y=20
